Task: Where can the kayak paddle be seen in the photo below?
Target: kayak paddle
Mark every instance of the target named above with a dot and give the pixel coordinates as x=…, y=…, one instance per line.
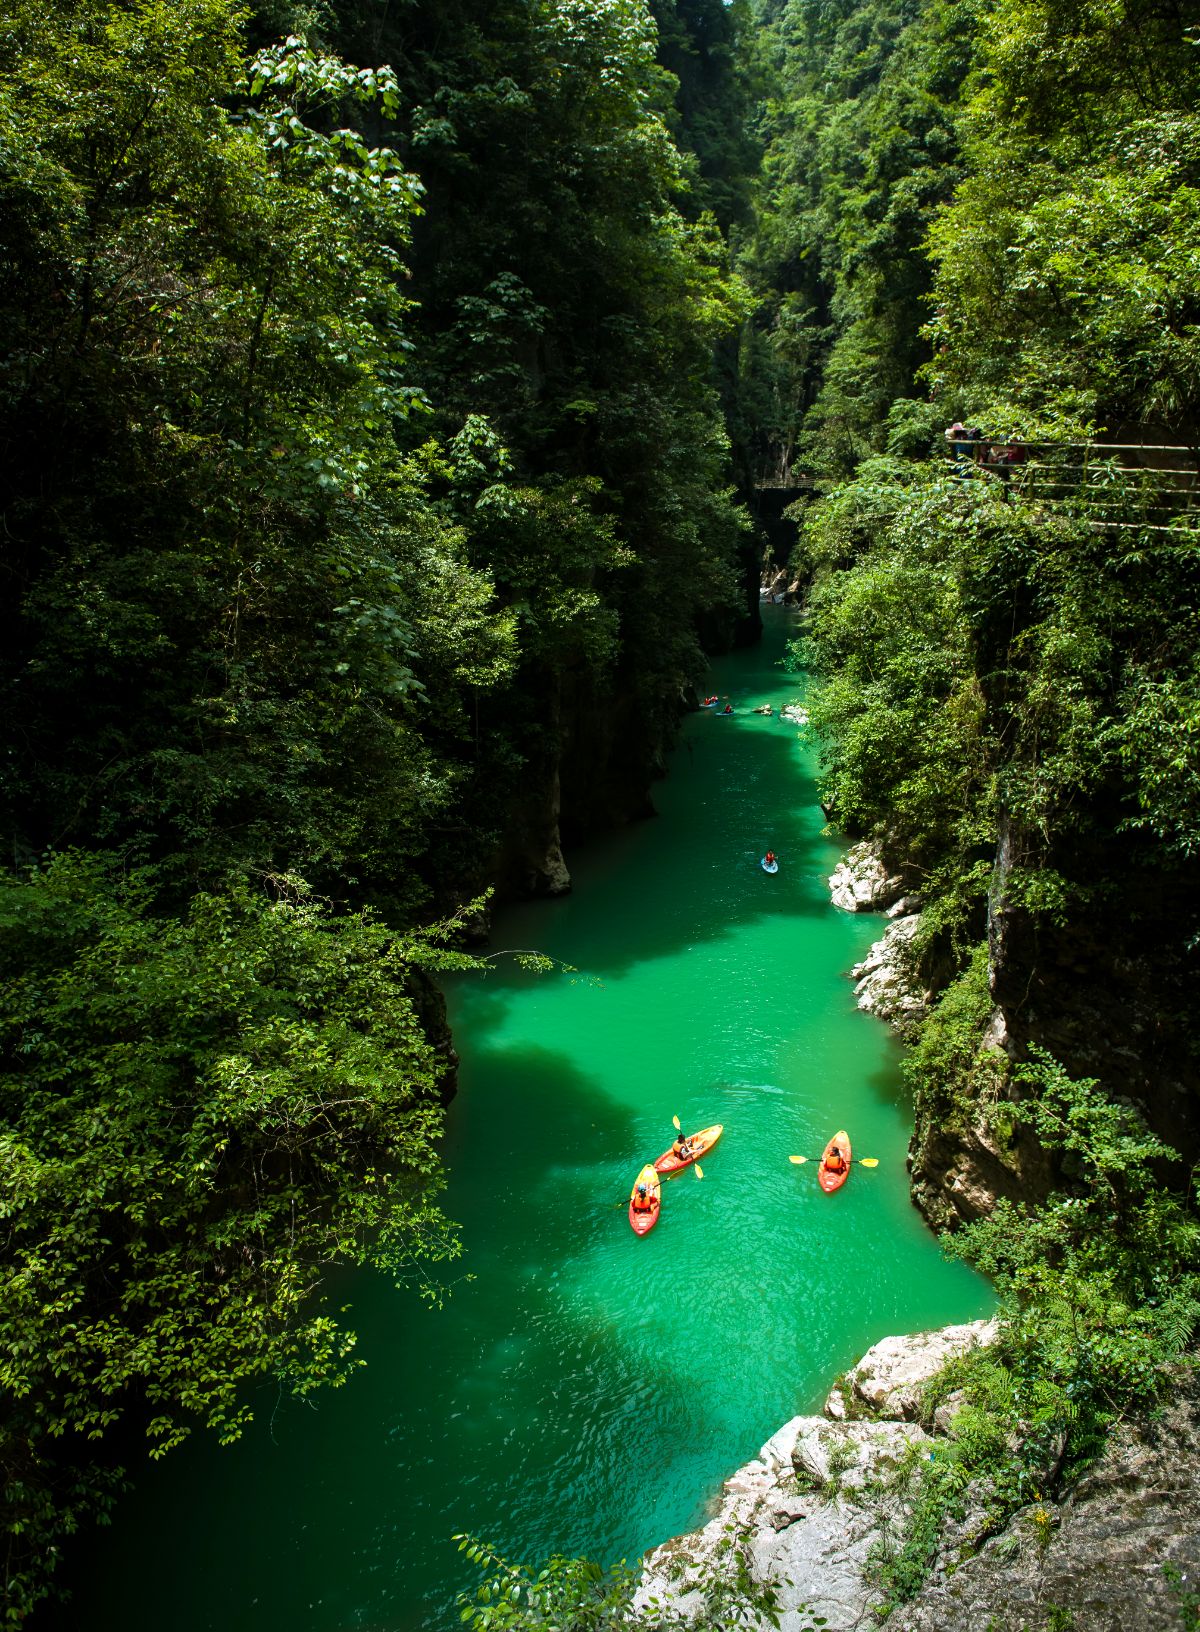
x=861, y=1161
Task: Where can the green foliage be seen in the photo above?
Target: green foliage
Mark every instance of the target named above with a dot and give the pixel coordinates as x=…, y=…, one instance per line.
x=308, y=576
x=988, y=664
x=899, y=1565
x=1100, y=1297
x=862, y=149
x=704, y=43
x=950, y=1075
x=1187, y=1598
x=567, y=1592
x=570, y=297
x=1159, y=742
x=245, y=626
x=1110, y=1265
x=1062, y=281
x=1102, y=1284
x=1008, y=694
x=575, y=1595
x=907, y=744
x=200, y=1113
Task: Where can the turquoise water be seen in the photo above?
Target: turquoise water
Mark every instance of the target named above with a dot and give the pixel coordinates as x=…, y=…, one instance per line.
x=588, y=1391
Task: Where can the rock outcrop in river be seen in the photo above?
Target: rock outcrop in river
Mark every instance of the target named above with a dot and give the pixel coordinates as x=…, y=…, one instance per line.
x=886, y=981
x=799, y=1525
x=862, y=883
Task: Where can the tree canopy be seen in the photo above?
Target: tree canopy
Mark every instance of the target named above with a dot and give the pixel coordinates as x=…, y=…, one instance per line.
x=361, y=436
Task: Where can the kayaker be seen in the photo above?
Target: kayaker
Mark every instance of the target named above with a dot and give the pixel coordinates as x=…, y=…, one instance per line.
x=835, y=1162
x=769, y=858
x=643, y=1202
x=728, y=709
x=681, y=1149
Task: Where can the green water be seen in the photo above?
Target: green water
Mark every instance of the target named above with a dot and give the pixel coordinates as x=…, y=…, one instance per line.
x=588, y=1391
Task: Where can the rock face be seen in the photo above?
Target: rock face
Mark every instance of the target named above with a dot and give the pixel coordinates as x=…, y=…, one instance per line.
x=529, y=860
x=796, y=1519
x=861, y=883
x=885, y=981
x=789, y=1518
x=1096, y=1562
x=958, y=1175
x=1108, y=989
x=430, y=1005
x=799, y=1522
x=888, y=1380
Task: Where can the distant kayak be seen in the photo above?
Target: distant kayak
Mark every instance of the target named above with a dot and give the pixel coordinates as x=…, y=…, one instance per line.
x=710, y=702
x=643, y=1222
x=700, y=1142
x=828, y=1181
x=769, y=866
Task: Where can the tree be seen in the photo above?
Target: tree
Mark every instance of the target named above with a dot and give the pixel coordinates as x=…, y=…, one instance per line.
x=239, y=646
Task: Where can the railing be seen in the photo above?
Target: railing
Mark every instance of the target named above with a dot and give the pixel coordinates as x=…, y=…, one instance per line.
x=1138, y=485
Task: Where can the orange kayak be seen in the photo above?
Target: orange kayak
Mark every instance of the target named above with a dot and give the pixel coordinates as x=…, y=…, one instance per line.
x=701, y=1144
x=829, y=1181
x=642, y=1222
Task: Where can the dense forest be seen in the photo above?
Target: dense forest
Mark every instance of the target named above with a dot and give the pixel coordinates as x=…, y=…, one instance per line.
x=388, y=397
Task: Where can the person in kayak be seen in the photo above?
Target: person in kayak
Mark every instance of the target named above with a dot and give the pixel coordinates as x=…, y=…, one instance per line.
x=681, y=1149
x=769, y=858
x=643, y=1202
x=835, y=1162
x=728, y=709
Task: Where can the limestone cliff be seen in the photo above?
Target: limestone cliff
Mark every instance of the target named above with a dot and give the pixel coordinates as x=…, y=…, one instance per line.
x=796, y=1529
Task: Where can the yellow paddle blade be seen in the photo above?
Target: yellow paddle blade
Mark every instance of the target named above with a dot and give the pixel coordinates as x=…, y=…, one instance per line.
x=675, y=1119
x=699, y=1170
x=868, y=1161
x=797, y=1159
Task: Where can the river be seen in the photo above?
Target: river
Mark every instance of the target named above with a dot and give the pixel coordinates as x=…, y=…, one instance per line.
x=586, y=1391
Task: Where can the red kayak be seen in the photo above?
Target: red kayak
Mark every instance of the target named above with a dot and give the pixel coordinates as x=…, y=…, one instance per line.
x=826, y=1178
x=643, y=1220
x=701, y=1143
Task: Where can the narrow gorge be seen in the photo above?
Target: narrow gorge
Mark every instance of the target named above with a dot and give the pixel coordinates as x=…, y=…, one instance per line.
x=478, y=478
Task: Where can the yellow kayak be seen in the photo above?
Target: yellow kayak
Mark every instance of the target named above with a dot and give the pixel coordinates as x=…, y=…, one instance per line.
x=643, y=1217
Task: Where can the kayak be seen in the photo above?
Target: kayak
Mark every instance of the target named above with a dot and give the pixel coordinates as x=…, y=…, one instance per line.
x=769, y=866
x=643, y=1223
x=828, y=1181
x=701, y=1144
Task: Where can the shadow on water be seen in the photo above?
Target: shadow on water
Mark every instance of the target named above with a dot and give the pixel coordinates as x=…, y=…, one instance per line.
x=699, y=866
x=586, y=1392
x=888, y=1085
x=539, y=1371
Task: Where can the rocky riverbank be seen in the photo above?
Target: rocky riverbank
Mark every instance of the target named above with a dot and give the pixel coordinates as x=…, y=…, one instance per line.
x=800, y=1523
x=798, y=1536
x=958, y=1173
x=886, y=981
x=797, y=1530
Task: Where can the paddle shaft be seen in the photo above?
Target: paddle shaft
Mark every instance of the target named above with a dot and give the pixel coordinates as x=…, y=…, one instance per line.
x=860, y=1161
